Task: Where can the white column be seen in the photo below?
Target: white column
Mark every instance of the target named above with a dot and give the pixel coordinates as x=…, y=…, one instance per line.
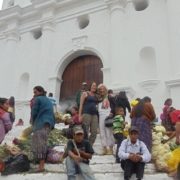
x=46, y=52
x=174, y=33
x=10, y=60
x=117, y=41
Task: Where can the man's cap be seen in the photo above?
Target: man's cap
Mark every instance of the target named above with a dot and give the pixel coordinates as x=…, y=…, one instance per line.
x=133, y=128
x=84, y=83
x=78, y=130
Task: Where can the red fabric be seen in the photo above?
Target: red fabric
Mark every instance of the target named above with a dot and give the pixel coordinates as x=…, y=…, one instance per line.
x=175, y=116
x=2, y=166
x=75, y=119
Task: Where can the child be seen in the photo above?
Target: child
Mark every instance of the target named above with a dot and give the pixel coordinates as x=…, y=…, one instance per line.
x=118, y=127
x=73, y=122
x=75, y=115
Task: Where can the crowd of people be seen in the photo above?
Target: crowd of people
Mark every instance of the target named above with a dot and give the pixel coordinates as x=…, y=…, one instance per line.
x=96, y=109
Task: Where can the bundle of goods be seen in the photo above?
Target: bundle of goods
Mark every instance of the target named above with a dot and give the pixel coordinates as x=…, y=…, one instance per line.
x=58, y=117
x=67, y=118
x=56, y=138
x=24, y=141
x=62, y=118
x=162, y=153
x=3, y=152
x=16, y=161
x=126, y=130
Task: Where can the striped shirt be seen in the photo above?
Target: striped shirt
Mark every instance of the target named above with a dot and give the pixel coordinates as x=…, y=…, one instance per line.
x=118, y=124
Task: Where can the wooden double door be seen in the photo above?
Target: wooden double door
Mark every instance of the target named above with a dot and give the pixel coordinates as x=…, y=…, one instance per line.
x=85, y=68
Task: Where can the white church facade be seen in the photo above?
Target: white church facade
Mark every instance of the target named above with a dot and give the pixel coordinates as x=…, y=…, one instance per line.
x=131, y=45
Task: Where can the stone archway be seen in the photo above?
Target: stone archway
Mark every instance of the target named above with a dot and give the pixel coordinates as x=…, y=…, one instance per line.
x=83, y=68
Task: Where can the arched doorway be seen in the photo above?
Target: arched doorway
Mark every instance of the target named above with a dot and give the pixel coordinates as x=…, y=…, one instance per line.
x=83, y=68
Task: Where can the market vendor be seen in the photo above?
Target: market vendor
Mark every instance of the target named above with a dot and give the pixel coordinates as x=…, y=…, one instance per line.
x=42, y=121
x=175, y=118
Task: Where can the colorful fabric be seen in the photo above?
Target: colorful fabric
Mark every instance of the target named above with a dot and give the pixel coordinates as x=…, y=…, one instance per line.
x=175, y=116
x=39, y=143
x=118, y=124
x=145, y=133
x=5, y=124
x=42, y=113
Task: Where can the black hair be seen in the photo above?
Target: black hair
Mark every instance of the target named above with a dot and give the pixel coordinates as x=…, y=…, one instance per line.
x=110, y=91
x=139, y=108
x=76, y=108
x=91, y=85
x=50, y=94
x=146, y=99
x=12, y=101
x=3, y=100
x=40, y=89
x=167, y=100
x=122, y=95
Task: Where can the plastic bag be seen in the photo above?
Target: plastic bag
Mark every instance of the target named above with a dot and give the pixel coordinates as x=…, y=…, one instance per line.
x=54, y=156
x=16, y=164
x=108, y=122
x=174, y=160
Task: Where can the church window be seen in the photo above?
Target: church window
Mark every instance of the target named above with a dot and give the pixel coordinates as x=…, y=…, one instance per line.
x=83, y=21
x=140, y=5
x=37, y=33
x=147, y=67
x=11, y=3
x=23, y=86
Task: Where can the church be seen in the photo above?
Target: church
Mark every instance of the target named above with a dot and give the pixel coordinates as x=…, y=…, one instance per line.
x=129, y=45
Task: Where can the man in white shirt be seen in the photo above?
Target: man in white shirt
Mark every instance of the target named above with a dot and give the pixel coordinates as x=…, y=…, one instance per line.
x=133, y=154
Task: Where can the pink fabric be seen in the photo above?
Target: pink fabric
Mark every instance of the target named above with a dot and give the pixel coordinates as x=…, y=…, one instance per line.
x=5, y=124
x=164, y=115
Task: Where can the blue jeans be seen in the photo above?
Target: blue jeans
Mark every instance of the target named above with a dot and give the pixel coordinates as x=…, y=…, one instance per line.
x=83, y=169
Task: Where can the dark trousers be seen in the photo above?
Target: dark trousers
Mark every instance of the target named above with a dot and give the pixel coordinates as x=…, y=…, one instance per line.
x=131, y=167
x=119, y=138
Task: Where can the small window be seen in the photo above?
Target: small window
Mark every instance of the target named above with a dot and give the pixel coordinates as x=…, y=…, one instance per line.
x=37, y=33
x=83, y=21
x=11, y=3
x=140, y=5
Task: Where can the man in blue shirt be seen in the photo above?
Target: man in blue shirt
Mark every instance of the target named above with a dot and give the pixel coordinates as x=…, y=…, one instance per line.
x=133, y=154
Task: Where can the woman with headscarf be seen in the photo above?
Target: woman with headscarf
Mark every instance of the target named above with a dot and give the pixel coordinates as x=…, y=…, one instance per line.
x=106, y=133
x=142, y=115
x=42, y=122
x=5, y=119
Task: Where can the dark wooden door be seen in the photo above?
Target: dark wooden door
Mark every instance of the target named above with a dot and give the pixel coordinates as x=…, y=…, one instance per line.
x=84, y=68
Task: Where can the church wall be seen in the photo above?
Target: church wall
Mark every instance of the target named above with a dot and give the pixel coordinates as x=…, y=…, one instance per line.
x=139, y=49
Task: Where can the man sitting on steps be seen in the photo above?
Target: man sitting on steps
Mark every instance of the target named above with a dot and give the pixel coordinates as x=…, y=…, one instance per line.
x=79, y=152
x=133, y=154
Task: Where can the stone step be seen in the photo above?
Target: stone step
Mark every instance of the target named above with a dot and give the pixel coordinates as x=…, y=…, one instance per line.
x=100, y=164
x=62, y=176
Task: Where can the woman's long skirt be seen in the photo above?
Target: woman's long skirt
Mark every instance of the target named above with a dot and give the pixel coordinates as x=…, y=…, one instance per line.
x=145, y=132
x=39, y=143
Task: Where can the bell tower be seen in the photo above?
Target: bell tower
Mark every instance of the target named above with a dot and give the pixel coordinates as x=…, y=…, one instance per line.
x=11, y=3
